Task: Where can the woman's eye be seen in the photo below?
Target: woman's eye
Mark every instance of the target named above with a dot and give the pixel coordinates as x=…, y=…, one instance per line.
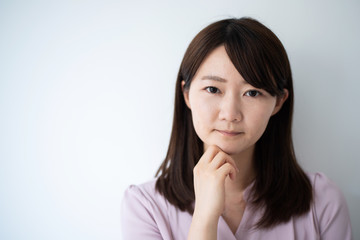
x=212, y=89
x=252, y=93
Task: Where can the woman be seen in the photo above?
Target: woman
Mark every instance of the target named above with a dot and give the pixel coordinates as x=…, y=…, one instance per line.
x=230, y=170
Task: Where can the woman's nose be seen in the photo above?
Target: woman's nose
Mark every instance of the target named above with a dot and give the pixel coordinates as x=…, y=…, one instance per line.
x=230, y=109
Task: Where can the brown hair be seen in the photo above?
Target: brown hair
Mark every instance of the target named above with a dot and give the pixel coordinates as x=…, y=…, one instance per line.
x=281, y=186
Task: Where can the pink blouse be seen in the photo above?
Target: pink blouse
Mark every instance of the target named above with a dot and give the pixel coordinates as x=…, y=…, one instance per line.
x=147, y=215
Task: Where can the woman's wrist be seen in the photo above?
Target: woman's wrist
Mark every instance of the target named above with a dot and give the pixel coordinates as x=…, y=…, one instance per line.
x=203, y=227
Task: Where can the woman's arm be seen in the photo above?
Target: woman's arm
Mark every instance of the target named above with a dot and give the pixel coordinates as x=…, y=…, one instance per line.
x=209, y=184
x=331, y=210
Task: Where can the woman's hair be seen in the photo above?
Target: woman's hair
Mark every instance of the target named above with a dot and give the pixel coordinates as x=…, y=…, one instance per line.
x=280, y=186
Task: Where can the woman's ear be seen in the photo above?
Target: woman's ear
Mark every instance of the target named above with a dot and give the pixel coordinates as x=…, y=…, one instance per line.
x=185, y=94
x=280, y=101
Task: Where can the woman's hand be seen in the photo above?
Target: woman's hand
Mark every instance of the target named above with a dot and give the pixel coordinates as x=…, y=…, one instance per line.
x=209, y=183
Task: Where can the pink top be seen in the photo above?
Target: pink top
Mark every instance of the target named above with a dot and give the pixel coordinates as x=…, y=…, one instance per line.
x=147, y=215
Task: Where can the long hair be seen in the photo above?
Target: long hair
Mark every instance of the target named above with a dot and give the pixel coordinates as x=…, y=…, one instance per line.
x=281, y=187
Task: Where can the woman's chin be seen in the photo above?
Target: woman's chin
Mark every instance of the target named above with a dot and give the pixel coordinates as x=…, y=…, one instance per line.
x=230, y=150
x=234, y=150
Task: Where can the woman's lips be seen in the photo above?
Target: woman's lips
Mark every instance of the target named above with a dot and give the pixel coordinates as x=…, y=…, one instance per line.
x=229, y=133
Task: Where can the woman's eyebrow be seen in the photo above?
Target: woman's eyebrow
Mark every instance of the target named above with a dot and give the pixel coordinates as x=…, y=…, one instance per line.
x=215, y=78
x=220, y=79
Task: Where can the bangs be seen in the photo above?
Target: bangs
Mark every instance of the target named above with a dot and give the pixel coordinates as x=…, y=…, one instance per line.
x=257, y=56
x=255, y=51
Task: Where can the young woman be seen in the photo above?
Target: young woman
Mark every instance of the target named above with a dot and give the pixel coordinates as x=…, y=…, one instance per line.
x=230, y=171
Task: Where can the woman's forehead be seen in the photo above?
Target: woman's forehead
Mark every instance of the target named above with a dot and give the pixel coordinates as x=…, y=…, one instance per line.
x=218, y=67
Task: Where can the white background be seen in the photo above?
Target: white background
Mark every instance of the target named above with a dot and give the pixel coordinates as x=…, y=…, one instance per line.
x=86, y=101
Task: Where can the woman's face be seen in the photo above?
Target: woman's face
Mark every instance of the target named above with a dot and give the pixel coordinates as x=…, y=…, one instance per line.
x=226, y=110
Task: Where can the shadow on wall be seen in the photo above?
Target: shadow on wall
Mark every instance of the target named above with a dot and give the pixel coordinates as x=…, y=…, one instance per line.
x=354, y=209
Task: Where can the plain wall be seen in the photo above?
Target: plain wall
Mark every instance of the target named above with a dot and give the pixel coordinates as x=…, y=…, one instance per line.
x=86, y=101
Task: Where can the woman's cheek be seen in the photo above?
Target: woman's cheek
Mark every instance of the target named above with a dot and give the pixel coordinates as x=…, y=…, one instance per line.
x=262, y=122
x=202, y=119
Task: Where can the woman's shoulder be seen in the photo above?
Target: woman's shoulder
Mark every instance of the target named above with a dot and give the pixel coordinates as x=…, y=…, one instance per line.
x=146, y=214
x=326, y=194
x=144, y=194
x=325, y=190
x=322, y=184
x=141, y=212
x=143, y=189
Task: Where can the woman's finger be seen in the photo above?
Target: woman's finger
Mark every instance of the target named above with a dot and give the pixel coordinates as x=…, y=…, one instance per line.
x=209, y=154
x=221, y=158
x=218, y=160
x=227, y=170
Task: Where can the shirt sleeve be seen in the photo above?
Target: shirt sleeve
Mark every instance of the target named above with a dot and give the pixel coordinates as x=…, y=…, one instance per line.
x=331, y=210
x=137, y=220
